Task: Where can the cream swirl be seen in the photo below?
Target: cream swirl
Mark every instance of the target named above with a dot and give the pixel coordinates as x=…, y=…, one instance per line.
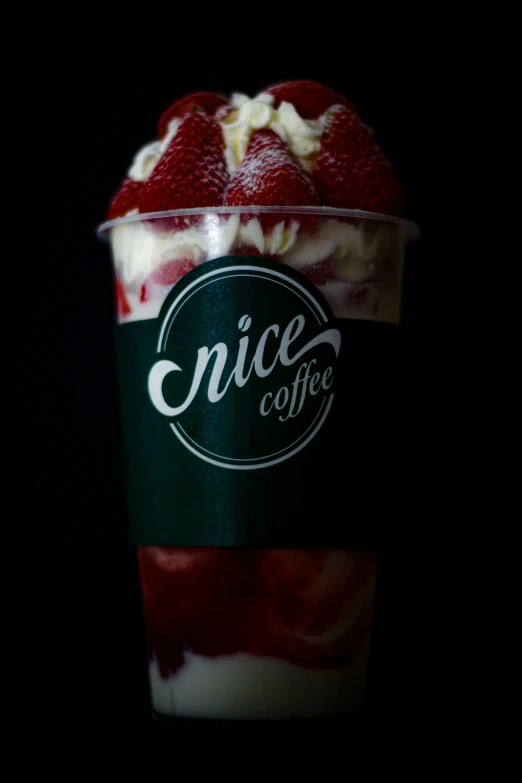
x=251, y=114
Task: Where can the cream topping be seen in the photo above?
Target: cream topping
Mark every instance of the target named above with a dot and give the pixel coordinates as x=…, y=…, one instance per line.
x=353, y=252
x=138, y=249
x=248, y=115
x=251, y=114
x=147, y=157
x=279, y=240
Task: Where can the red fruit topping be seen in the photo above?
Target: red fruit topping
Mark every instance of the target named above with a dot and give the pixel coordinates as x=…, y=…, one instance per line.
x=270, y=176
x=206, y=102
x=121, y=299
x=170, y=272
x=192, y=172
x=193, y=600
x=320, y=603
x=352, y=172
x=310, y=606
x=310, y=99
x=168, y=224
x=143, y=293
x=126, y=198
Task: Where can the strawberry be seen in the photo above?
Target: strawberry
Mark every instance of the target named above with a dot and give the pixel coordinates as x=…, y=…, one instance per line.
x=310, y=606
x=194, y=598
x=192, y=172
x=206, y=102
x=121, y=299
x=168, y=224
x=126, y=198
x=352, y=172
x=270, y=176
x=318, y=603
x=165, y=275
x=172, y=271
x=310, y=99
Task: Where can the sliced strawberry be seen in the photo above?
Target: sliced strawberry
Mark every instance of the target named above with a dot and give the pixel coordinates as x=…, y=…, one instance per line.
x=170, y=272
x=165, y=225
x=352, y=172
x=206, y=102
x=310, y=99
x=270, y=176
x=126, y=198
x=192, y=171
x=121, y=299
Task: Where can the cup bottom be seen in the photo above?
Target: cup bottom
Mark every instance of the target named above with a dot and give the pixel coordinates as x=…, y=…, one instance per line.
x=295, y=734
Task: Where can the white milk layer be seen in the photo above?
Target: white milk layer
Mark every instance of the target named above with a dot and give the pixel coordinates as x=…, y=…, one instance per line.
x=247, y=687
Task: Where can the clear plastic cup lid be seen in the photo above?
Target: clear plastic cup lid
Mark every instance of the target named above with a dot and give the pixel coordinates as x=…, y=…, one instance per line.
x=411, y=229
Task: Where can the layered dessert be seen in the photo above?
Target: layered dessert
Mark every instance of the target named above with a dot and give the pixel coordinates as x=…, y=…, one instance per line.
x=292, y=175
x=257, y=633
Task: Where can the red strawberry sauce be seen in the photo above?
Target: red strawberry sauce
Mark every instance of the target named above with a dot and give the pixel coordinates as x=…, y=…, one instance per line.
x=311, y=607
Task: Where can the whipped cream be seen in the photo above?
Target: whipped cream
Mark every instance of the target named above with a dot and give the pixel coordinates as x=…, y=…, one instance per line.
x=355, y=254
x=276, y=242
x=147, y=157
x=248, y=115
x=251, y=114
x=138, y=249
x=248, y=687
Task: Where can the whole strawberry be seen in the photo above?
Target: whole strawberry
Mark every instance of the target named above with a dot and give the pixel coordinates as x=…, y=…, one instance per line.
x=270, y=176
x=310, y=99
x=126, y=199
x=351, y=171
x=192, y=172
x=206, y=102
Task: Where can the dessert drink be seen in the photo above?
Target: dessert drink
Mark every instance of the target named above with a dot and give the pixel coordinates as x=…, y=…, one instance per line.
x=258, y=248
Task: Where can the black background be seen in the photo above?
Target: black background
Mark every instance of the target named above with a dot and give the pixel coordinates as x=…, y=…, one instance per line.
x=95, y=108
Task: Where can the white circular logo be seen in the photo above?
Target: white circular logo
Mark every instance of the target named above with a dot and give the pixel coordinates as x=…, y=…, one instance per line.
x=246, y=360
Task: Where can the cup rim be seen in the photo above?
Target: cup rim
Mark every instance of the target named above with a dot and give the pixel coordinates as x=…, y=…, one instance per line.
x=411, y=229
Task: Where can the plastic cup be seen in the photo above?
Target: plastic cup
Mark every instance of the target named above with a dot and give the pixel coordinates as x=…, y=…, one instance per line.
x=258, y=382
